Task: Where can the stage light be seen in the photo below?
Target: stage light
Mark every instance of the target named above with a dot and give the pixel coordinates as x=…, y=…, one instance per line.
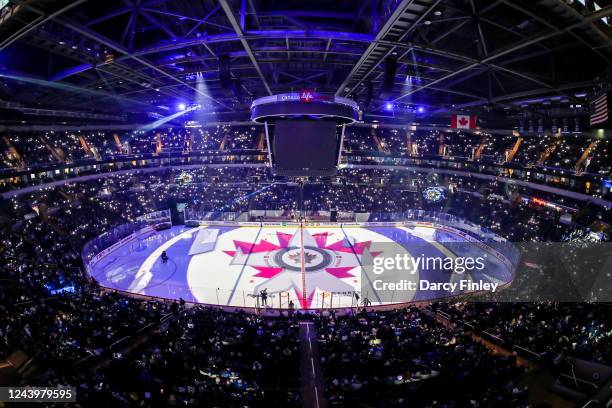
x=181, y=106
x=389, y=106
x=420, y=109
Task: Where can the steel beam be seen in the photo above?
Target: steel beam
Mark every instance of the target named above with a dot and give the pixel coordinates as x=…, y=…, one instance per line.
x=380, y=35
x=184, y=17
x=591, y=17
x=38, y=22
x=200, y=22
x=232, y=19
x=16, y=76
x=283, y=34
x=543, y=21
x=525, y=94
x=108, y=16
x=112, y=45
x=483, y=43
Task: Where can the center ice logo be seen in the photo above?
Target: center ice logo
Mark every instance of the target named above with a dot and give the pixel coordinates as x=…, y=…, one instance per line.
x=302, y=262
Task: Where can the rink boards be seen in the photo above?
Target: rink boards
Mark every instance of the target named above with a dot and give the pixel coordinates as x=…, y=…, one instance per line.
x=310, y=265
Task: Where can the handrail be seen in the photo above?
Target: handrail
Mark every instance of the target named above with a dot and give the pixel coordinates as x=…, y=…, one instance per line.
x=121, y=340
x=86, y=358
x=579, y=380
x=493, y=336
x=443, y=315
x=532, y=353
x=28, y=363
x=143, y=328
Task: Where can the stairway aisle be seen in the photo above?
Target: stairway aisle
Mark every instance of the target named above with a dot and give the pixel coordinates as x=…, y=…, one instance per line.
x=313, y=385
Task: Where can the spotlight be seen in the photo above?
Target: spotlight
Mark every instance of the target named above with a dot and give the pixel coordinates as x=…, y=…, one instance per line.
x=420, y=109
x=181, y=106
x=389, y=106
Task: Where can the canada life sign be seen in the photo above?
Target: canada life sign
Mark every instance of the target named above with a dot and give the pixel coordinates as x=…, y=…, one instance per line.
x=306, y=95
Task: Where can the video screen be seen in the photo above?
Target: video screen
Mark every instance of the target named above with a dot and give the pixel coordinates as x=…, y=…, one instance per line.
x=304, y=148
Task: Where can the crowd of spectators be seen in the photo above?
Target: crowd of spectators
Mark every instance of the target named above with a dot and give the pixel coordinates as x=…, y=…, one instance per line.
x=508, y=211
x=205, y=357
x=406, y=358
x=540, y=151
x=52, y=311
x=551, y=330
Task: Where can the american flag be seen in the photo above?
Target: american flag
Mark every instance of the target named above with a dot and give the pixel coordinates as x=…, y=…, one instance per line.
x=599, y=110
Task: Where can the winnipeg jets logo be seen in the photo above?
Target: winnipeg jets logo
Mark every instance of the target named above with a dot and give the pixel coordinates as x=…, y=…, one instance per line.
x=296, y=257
x=303, y=262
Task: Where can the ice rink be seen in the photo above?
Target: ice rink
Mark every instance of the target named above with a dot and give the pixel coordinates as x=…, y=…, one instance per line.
x=312, y=266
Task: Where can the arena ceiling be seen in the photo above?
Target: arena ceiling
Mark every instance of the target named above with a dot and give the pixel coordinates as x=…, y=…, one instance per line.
x=117, y=56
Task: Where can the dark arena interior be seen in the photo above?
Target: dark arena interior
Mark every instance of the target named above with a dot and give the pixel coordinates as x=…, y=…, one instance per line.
x=283, y=203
